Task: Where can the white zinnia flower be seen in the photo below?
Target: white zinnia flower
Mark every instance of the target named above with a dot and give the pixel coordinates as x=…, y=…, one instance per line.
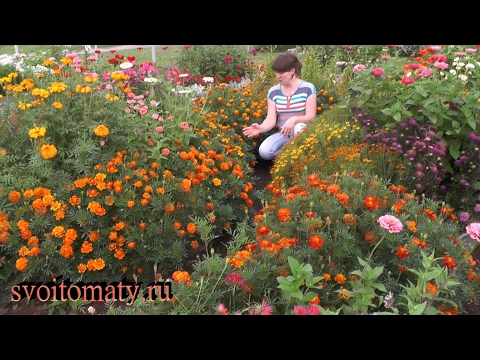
x=463, y=77
x=208, y=79
x=470, y=66
x=126, y=65
x=150, y=80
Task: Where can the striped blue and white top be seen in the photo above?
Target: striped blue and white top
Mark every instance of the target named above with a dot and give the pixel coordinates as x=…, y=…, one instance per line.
x=293, y=105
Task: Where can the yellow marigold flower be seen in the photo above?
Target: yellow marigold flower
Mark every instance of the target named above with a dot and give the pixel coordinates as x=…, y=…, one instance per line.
x=83, y=89
x=3, y=152
x=48, y=151
x=57, y=105
x=57, y=87
x=37, y=132
x=101, y=131
x=216, y=181
x=24, y=106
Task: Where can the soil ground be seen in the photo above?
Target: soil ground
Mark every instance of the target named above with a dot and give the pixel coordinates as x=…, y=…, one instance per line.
x=262, y=170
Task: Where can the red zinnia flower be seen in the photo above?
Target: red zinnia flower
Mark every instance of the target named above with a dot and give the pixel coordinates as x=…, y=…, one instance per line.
x=228, y=59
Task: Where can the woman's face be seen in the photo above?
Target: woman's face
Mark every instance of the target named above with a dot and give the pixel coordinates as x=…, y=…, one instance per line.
x=285, y=77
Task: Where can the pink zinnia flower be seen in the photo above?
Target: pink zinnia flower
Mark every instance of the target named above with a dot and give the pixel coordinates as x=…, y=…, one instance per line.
x=407, y=80
x=184, y=125
x=473, y=230
x=155, y=116
x=313, y=310
x=165, y=152
x=460, y=53
x=359, y=67
x=159, y=129
x=377, y=72
x=299, y=310
x=441, y=65
x=228, y=59
x=471, y=51
x=186, y=47
x=390, y=223
x=385, y=57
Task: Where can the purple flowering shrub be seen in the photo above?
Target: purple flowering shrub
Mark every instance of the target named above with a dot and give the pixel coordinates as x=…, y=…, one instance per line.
x=425, y=169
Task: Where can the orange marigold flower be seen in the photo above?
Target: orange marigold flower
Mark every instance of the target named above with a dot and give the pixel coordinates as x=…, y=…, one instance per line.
x=340, y=279
x=130, y=203
x=177, y=225
x=23, y=251
x=66, y=251
x=33, y=241
x=343, y=294
x=327, y=277
x=98, y=264
x=48, y=151
x=14, y=196
x=194, y=244
x=34, y=251
x=87, y=247
x=449, y=262
x=315, y=242
x=94, y=236
x=58, y=231
x=82, y=268
x=74, y=200
x=432, y=287
x=283, y=215
x=179, y=276
x=191, y=228
x=263, y=230
x=21, y=263
x=316, y=300
x=349, y=219
x=169, y=208
x=402, y=252
x=101, y=131
x=119, y=254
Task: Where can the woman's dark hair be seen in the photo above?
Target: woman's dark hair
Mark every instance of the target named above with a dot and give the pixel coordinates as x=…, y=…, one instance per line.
x=286, y=62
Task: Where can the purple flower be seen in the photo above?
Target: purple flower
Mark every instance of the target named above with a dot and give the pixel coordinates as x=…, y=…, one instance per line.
x=477, y=208
x=464, y=216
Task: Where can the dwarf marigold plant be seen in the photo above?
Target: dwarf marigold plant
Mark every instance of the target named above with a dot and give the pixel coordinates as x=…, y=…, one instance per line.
x=103, y=182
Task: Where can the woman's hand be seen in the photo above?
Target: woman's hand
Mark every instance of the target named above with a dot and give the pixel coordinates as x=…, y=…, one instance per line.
x=287, y=128
x=252, y=130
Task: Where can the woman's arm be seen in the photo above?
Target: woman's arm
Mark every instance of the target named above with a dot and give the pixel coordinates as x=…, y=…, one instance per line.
x=267, y=124
x=271, y=119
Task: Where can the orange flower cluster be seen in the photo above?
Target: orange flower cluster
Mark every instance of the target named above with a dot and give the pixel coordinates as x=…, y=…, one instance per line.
x=182, y=276
x=4, y=228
